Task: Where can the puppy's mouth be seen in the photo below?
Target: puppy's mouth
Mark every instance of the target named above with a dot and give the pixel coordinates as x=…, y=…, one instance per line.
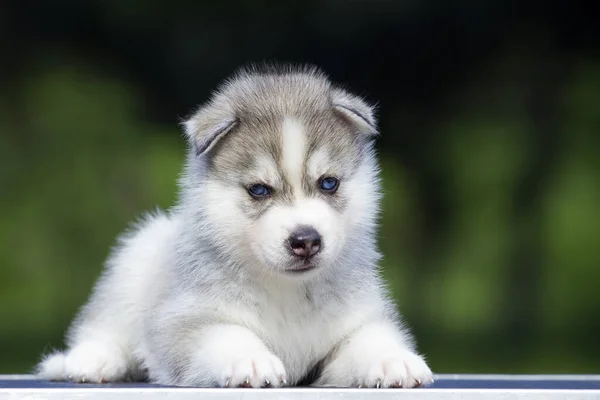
x=303, y=267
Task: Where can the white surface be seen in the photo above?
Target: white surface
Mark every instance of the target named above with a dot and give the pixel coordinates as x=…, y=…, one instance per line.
x=296, y=394
x=309, y=393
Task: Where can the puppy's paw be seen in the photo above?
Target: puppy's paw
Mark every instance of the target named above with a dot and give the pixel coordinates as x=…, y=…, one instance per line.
x=401, y=369
x=376, y=356
x=94, y=362
x=261, y=369
x=233, y=356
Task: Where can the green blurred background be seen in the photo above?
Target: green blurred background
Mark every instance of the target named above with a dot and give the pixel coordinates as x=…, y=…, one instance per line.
x=490, y=113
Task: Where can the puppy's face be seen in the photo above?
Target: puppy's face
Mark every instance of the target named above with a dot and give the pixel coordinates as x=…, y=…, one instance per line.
x=289, y=193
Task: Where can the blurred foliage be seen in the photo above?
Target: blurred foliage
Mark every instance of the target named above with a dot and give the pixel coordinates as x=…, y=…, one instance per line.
x=490, y=121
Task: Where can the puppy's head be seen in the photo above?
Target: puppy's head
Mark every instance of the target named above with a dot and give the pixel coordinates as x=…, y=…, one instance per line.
x=289, y=181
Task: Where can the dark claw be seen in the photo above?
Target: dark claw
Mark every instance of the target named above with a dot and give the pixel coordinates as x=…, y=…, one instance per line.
x=246, y=383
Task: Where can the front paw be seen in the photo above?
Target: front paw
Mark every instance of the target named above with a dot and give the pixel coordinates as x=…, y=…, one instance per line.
x=261, y=369
x=402, y=369
x=376, y=356
x=233, y=356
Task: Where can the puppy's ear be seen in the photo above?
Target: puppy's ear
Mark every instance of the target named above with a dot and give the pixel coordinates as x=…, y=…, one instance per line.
x=207, y=126
x=355, y=110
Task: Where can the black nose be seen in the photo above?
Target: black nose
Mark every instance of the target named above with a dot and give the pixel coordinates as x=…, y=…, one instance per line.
x=305, y=242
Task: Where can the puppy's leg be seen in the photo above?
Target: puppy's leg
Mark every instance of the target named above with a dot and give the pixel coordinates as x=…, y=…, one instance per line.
x=97, y=343
x=103, y=337
x=376, y=355
x=224, y=356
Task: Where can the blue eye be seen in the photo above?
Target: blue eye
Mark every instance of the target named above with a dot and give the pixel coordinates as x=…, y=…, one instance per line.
x=258, y=190
x=329, y=184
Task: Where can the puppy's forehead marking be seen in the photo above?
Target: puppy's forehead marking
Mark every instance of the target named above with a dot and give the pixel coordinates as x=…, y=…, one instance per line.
x=318, y=161
x=265, y=169
x=293, y=153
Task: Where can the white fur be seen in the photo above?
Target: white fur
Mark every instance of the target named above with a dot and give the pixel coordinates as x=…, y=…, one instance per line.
x=200, y=296
x=379, y=355
x=113, y=343
x=294, y=150
x=235, y=354
x=101, y=346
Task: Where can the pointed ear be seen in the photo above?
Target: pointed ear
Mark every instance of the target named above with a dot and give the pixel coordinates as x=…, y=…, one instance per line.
x=207, y=126
x=356, y=111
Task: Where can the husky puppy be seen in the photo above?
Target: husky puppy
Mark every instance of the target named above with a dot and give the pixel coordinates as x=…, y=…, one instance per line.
x=265, y=272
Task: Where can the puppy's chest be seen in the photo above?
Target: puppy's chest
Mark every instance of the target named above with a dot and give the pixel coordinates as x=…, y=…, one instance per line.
x=296, y=326
x=301, y=328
